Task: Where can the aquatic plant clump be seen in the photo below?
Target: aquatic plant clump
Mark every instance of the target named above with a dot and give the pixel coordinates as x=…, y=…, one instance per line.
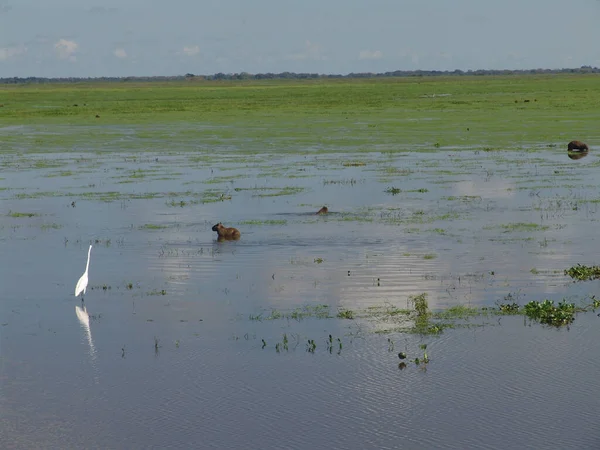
x=549, y=314
x=583, y=273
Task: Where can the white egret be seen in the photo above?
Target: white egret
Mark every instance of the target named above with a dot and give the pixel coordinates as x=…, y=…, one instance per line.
x=83, y=281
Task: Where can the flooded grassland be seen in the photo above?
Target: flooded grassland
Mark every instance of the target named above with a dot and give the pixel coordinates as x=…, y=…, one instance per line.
x=431, y=307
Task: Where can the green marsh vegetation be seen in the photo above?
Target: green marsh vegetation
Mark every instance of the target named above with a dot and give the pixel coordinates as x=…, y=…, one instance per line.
x=417, y=318
x=16, y=214
x=263, y=222
x=581, y=272
x=400, y=114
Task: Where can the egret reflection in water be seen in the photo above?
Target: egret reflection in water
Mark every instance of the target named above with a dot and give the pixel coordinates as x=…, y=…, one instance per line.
x=84, y=320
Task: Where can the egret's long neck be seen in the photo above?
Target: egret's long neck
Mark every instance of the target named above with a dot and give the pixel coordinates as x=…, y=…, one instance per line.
x=88, y=261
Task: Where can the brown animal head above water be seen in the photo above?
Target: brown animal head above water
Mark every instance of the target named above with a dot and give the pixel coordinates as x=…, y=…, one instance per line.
x=226, y=233
x=323, y=210
x=577, y=145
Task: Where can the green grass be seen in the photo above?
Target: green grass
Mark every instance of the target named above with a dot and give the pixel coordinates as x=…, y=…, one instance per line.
x=50, y=226
x=276, y=192
x=21, y=214
x=304, y=312
x=391, y=114
x=519, y=226
x=62, y=173
x=214, y=196
x=263, y=222
x=152, y=226
x=345, y=314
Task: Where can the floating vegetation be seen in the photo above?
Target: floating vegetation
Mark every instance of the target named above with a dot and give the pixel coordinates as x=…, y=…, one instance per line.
x=345, y=314
x=62, y=173
x=393, y=190
x=210, y=196
x=304, y=312
x=583, y=273
x=21, y=214
x=157, y=292
x=288, y=190
x=458, y=312
x=264, y=191
x=417, y=217
x=50, y=226
x=509, y=308
x=353, y=163
x=152, y=226
x=263, y=222
x=345, y=181
x=549, y=314
x=518, y=226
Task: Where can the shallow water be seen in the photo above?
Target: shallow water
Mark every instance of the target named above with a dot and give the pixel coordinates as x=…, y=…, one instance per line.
x=466, y=227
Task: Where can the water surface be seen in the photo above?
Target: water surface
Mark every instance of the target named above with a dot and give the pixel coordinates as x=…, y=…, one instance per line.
x=169, y=355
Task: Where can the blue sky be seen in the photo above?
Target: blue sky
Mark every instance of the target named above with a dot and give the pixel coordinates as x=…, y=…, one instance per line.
x=146, y=37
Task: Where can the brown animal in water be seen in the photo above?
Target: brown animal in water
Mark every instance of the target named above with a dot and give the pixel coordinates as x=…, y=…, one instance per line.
x=323, y=210
x=226, y=233
x=577, y=145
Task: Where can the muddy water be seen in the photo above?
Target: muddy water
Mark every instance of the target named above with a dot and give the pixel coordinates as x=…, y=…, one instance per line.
x=165, y=352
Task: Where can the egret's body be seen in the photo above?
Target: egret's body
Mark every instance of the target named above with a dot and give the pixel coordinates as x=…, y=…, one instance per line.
x=83, y=281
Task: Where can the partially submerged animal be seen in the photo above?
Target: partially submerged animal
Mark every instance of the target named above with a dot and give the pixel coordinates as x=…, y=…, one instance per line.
x=323, y=210
x=577, y=155
x=577, y=145
x=226, y=233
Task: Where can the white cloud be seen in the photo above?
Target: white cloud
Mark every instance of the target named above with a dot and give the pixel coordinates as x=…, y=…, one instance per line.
x=311, y=51
x=120, y=53
x=65, y=49
x=368, y=54
x=10, y=52
x=191, y=51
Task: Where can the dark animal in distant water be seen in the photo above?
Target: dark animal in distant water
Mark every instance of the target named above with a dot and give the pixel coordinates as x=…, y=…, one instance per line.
x=577, y=145
x=323, y=210
x=226, y=233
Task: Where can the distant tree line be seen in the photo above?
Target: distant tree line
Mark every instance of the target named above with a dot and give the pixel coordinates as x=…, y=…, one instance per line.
x=298, y=76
